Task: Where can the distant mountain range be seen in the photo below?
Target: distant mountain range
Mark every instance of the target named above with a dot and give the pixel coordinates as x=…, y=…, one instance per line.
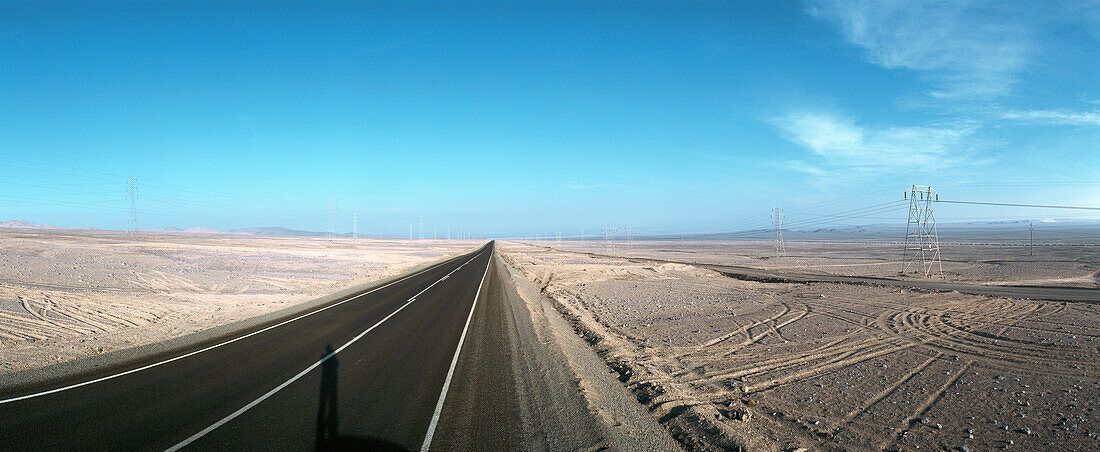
x=21, y=224
x=279, y=231
x=275, y=231
x=270, y=231
x=185, y=231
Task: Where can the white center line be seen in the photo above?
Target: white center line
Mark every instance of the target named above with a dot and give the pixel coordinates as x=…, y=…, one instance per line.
x=454, y=362
x=272, y=392
x=139, y=369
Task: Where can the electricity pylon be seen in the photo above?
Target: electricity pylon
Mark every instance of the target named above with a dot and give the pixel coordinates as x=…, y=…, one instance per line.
x=777, y=214
x=331, y=217
x=131, y=196
x=1031, y=238
x=920, y=232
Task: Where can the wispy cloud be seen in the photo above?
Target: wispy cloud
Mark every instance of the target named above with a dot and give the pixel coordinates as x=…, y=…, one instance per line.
x=967, y=49
x=1054, y=117
x=583, y=186
x=843, y=144
x=803, y=167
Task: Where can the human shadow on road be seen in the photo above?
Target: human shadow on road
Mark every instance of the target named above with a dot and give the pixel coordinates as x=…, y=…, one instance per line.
x=328, y=420
x=327, y=415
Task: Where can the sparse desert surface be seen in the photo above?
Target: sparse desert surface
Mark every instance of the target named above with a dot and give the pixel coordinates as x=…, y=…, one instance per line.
x=1062, y=255
x=67, y=294
x=781, y=366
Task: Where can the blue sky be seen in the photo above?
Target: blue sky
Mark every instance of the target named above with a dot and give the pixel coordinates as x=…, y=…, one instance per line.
x=529, y=117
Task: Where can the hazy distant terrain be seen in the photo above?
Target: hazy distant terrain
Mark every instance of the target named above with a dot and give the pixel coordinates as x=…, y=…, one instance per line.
x=269, y=231
x=1065, y=253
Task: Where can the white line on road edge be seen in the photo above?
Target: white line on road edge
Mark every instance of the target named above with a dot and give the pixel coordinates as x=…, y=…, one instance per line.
x=272, y=392
x=454, y=361
x=139, y=369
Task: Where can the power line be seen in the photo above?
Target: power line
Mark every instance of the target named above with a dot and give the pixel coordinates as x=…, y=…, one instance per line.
x=1020, y=205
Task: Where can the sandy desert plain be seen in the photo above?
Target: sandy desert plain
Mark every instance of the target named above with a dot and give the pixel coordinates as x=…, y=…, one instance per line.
x=726, y=363
x=723, y=363
x=67, y=294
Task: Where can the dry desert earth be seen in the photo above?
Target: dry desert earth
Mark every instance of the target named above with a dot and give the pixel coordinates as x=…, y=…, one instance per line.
x=726, y=363
x=66, y=294
x=723, y=363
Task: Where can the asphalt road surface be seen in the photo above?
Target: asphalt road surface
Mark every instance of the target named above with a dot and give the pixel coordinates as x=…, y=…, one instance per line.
x=373, y=371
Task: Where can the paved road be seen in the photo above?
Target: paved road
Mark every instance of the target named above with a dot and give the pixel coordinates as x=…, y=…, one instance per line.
x=365, y=372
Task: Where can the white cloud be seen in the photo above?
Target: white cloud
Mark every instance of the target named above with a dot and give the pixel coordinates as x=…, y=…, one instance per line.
x=1056, y=117
x=845, y=145
x=803, y=167
x=583, y=186
x=968, y=49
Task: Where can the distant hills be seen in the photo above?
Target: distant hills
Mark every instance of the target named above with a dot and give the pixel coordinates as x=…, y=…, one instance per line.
x=274, y=231
x=279, y=231
x=21, y=224
x=185, y=231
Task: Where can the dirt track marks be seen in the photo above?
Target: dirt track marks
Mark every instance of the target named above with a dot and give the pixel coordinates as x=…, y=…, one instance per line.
x=857, y=367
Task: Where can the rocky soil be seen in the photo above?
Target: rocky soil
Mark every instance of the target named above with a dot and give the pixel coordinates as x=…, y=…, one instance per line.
x=1059, y=264
x=70, y=294
x=725, y=363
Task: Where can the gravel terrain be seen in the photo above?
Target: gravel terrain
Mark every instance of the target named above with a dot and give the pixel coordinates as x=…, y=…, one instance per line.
x=1066, y=262
x=68, y=294
x=725, y=363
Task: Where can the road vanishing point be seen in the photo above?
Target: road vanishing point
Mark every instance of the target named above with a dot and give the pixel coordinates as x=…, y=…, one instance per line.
x=418, y=363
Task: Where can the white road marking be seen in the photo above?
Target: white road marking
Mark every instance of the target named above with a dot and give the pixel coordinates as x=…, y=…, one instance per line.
x=139, y=369
x=272, y=392
x=454, y=362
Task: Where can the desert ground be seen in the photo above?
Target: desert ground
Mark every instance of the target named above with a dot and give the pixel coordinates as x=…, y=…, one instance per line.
x=726, y=363
x=1061, y=255
x=721, y=362
x=66, y=294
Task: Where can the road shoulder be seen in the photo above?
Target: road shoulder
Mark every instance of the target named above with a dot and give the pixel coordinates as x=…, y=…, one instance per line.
x=548, y=349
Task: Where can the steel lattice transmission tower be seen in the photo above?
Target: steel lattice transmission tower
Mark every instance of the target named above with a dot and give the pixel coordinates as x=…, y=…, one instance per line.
x=131, y=196
x=777, y=215
x=922, y=243
x=609, y=238
x=331, y=217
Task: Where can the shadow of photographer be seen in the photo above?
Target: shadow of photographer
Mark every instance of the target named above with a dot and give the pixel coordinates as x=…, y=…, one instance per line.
x=328, y=415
